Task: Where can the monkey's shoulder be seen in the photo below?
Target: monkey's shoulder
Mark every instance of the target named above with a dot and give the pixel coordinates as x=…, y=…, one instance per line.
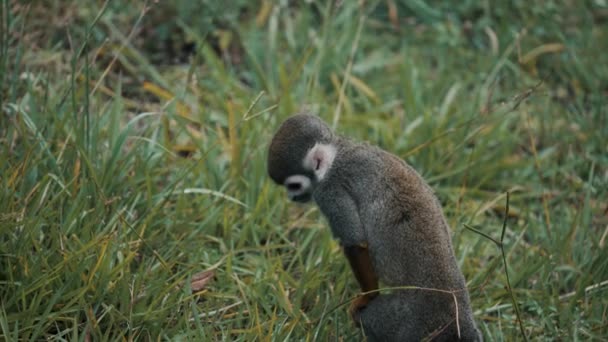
x=364, y=158
x=368, y=171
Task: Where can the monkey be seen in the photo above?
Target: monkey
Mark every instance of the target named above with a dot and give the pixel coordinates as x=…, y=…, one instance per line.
x=390, y=226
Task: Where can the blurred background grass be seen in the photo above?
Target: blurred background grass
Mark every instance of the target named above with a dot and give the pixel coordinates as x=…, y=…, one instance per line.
x=132, y=159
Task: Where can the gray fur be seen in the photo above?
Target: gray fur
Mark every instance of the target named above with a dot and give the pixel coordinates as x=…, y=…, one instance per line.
x=372, y=197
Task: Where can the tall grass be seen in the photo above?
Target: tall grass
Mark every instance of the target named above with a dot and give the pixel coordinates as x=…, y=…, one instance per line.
x=133, y=144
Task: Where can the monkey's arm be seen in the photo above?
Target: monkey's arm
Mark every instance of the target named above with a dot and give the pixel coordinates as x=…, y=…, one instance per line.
x=361, y=264
x=343, y=217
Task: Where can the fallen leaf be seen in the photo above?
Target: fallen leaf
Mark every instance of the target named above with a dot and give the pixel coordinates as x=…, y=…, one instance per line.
x=199, y=281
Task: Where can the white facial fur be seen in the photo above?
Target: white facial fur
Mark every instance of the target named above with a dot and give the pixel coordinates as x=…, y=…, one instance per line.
x=319, y=159
x=297, y=185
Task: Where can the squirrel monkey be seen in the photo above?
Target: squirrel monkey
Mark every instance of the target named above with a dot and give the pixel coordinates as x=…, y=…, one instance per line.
x=390, y=226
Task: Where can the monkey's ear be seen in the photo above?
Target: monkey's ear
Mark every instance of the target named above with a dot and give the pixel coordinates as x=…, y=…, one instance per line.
x=319, y=159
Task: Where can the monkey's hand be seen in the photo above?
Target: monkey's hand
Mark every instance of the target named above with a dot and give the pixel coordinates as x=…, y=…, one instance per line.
x=361, y=264
x=356, y=306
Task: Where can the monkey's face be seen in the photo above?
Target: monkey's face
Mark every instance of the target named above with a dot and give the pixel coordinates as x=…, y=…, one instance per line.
x=300, y=155
x=311, y=170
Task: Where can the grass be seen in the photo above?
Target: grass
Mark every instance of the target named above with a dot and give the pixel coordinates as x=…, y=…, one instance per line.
x=133, y=144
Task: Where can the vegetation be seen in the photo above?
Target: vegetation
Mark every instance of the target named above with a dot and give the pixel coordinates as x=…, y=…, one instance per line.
x=134, y=201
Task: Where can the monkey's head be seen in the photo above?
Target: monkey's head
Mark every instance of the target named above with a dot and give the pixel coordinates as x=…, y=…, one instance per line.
x=300, y=154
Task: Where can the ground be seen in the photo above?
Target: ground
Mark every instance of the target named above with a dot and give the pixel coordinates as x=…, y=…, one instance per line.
x=134, y=199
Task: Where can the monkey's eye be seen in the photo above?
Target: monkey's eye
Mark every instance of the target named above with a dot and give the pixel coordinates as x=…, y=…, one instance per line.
x=318, y=160
x=294, y=186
